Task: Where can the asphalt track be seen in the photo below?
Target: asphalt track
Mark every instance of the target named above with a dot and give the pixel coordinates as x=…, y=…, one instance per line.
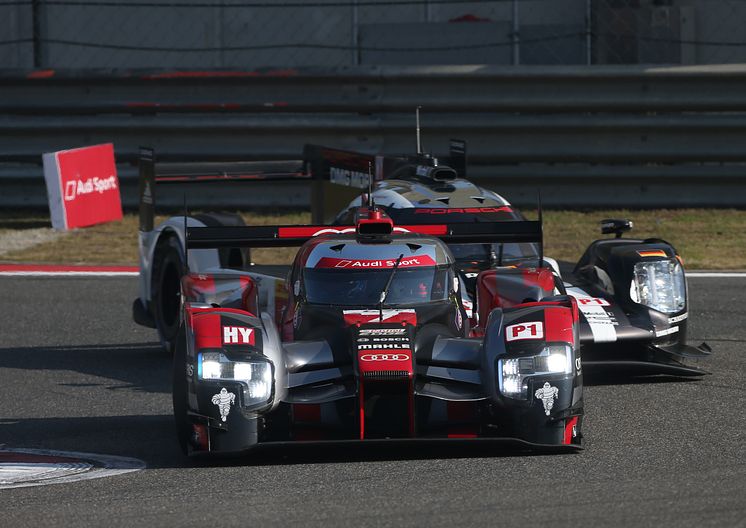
x=77, y=374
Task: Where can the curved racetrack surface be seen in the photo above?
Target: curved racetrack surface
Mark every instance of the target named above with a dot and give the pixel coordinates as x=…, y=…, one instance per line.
x=77, y=375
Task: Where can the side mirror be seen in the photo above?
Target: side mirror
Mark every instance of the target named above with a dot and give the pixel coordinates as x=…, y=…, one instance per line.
x=616, y=226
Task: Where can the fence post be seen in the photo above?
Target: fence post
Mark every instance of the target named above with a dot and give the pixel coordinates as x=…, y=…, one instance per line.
x=588, y=32
x=355, y=35
x=36, y=29
x=516, y=35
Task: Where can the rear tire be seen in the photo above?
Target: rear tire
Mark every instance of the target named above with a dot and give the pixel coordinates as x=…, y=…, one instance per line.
x=168, y=269
x=179, y=393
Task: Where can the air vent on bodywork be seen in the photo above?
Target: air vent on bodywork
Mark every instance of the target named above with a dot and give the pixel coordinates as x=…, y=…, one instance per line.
x=386, y=375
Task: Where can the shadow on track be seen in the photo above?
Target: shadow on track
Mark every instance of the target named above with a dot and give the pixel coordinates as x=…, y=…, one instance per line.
x=153, y=439
x=141, y=366
x=602, y=377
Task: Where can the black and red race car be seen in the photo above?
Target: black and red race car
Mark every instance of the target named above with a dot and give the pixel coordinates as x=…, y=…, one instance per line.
x=368, y=338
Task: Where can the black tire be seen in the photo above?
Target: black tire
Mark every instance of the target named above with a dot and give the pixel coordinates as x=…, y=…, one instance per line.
x=231, y=258
x=179, y=392
x=168, y=269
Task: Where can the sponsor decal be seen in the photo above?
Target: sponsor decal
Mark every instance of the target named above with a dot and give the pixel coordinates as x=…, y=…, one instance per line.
x=297, y=317
x=382, y=331
x=522, y=331
x=668, y=331
x=82, y=186
x=462, y=210
x=409, y=262
x=459, y=321
x=147, y=194
x=578, y=364
x=238, y=335
x=190, y=370
x=678, y=318
x=592, y=301
x=311, y=231
x=383, y=346
x=653, y=253
x=374, y=316
x=603, y=324
x=547, y=394
x=348, y=177
x=224, y=400
x=468, y=307
x=384, y=357
x=76, y=188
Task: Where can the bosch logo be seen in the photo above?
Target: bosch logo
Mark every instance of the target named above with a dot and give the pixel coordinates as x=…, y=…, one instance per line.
x=384, y=357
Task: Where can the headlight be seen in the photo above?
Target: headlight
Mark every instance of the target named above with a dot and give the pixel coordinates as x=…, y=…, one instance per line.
x=659, y=284
x=255, y=376
x=513, y=373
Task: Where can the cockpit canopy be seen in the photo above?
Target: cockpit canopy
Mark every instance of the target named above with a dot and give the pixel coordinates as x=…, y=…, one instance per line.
x=350, y=273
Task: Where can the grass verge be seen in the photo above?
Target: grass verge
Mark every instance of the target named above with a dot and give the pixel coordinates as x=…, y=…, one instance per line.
x=706, y=238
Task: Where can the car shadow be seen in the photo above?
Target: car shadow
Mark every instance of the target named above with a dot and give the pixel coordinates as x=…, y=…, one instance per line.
x=152, y=438
x=140, y=366
x=603, y=378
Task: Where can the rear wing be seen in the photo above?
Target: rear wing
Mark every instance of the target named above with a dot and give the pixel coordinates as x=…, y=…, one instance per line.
x=154, y=174
x=331, y=170
x=295, y=235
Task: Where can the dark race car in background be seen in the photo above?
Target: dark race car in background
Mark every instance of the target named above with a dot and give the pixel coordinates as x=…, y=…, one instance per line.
x=632, y=293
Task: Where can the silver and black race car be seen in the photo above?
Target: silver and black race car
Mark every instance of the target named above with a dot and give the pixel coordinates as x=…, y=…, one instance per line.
x=367, y=338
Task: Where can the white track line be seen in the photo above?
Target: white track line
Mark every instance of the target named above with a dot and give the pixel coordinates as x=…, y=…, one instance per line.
x=69, y=273
x=715, y=274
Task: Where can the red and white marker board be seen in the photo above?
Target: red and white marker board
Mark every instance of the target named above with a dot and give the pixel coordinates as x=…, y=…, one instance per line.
x=82, y=186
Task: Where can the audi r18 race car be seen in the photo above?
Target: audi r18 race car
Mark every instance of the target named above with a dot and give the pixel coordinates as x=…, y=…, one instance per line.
x=368, y=338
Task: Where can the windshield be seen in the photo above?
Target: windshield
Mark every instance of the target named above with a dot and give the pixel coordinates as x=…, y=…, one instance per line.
x=363, y=287
x=490, y=253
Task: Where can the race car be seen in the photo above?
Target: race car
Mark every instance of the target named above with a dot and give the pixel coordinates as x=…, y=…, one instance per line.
x=367, y=338
x=631, y=293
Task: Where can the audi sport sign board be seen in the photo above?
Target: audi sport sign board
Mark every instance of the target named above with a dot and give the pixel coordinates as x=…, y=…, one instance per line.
x=82, y=186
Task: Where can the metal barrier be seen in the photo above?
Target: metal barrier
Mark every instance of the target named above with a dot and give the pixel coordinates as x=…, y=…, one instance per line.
x=598, y=136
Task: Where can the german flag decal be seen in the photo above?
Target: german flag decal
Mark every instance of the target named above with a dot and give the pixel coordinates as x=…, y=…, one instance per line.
x=653, y=253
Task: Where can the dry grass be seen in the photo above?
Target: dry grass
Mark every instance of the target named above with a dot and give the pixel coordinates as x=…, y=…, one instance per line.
x=706, y=238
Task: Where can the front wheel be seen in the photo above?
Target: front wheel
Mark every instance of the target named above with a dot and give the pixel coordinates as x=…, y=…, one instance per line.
x=168, y=269
x=179, y=392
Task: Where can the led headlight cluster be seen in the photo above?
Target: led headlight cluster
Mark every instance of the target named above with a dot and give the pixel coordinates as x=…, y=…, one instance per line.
x=659, y=284
x=255, y=376
x=513, y=373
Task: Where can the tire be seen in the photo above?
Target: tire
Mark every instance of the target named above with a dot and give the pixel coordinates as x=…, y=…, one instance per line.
x=168, y=269
x=230, y=258
x=179, y=392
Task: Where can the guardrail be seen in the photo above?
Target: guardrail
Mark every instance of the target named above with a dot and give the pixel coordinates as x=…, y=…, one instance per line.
x=590, y=136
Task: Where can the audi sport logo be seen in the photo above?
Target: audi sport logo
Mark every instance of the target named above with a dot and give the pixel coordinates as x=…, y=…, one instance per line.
x=384, y=357
x=75, y=188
